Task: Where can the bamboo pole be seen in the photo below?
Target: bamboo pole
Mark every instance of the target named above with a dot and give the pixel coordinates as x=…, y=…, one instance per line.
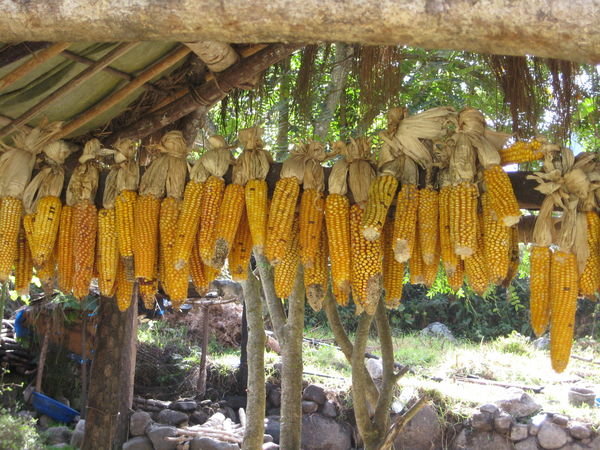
x=69, y=86
x=156, y=69
x=36, y=60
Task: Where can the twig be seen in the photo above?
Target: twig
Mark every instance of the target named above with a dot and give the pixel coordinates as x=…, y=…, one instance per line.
x=588, y=360
x=536, y=389
x=323, y=375
x=400, y=422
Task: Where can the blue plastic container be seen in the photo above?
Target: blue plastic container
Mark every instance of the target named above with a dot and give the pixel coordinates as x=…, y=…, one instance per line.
x=52, y=408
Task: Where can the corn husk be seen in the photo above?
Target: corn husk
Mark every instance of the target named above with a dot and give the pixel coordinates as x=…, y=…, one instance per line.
x=361, y=169
x=18, y=159
x=83, y=184
x=215, y=161
x=254, y=161
x=126, y=167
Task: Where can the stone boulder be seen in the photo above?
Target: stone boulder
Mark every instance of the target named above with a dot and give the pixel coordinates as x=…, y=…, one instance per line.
x=552, y=436
x=58, y=435
x=272, y=424
x=481, y=440
x=422, y=432
x=186, y=406
x=309, y=407
x=139, y=422
x=158, y=433
x=138, y=443
x=323, y=433
x=438, y=330
x=518, y=404
x=171, y=417
x=528, y=444
x=205, y=443
x=314, y=393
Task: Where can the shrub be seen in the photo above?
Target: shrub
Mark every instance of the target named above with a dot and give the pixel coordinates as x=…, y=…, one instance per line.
x=18, y=433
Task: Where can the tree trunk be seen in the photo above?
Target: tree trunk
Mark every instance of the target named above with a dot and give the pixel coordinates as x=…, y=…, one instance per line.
x=243, y=372
x=291, y=376
x=201, y=386
x=253, y=437
x=549, y=28
x=111, y=382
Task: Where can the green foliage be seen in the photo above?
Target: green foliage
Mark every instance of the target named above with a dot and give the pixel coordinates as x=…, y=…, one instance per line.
x=514, y=343
x=18, y=433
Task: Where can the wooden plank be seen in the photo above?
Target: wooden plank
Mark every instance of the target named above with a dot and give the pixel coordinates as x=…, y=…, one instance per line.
x=69, y=86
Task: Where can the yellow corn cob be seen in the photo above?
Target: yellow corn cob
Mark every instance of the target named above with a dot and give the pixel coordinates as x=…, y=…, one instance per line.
x=563, y=304
x=241, y=250
x=501, y=195
x=513, y=256
x=428, y=224
x=405, y=222
x=590, y=277
x=188, y=222
x=521, y=152
x=496, y=240
x=341, y=296
x=175, y=281
x=11, y=210
x=463, y=219
x=64, y=257
x=416, y=266
x=381, y=195
x=337, y=220
x=108, y=251
x=230, y=214
x=145, y=244
x=85, y=225
x=366, y=264
x=311, y=224
x=256, y=208
x=23, y=265
x=475, y=267
x=430, y=271
x=125, y=213
x=393, y=271
x=28, y=222
x=124, y=291
x=449, y=258
x=148, y=290
x=315, y=277
x=46, y=273
x=285, y=271
x=281, y=218
x=45, y=228
x=539, y=297
x=456, y=279
x=210, y=203
x=211, y=273
x=197, y=271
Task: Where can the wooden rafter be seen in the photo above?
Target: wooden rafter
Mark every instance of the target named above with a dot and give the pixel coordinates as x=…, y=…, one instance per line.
x=69, y=86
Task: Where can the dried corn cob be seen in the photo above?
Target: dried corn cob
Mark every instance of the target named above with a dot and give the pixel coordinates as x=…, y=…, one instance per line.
x=23, y=265
x=428, y=224
x=449, y=258
x=315, y=277
x=521, y=152
x=539, y=300
x=230, y=214
x=285, y=271
x=46, y=274
x=188, y=222
x=45, y=229
x=341, y=296
x=430, y=271
x=108, y=251
x=311, y=224
x=145, y=245
x=381, y=196
x=256, y=201
x=124, y=289
x=501, y=195
x=197, y=271
x=393, y=271
x=85, y=224
x=456, y=279
x=590, y=277
x=239, y=257
x=209, y=214
x=405, y=222
x=175, y=281
x=28, y=222
x=64, y=257
x=337, y=210
x=125, y=216
x=416, y=266
x=563, y=304
x=463, y=219
x=281, y=217
x=11, y=210
x=148, y=290
x=496, y=240
x=475, y=266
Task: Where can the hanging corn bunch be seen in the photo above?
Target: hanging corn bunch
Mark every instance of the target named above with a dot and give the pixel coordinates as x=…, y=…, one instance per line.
x=589, y=282
x=366, y=256
x=284, y=273
x=522, y=151
x=405, y=218
x=476, y=268
x=128, y=179
x=283, y=205
x=496, y=243
x=255, y=162
x=450, y=259
x=16, y=166
x=107, y=251
x=81, y=194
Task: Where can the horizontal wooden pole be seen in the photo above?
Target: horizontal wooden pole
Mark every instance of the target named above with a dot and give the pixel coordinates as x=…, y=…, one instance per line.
x=565, y=29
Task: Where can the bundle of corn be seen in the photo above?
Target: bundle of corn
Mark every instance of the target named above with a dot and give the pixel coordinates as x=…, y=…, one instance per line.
x=81, y=193
x=128, y=179
x=42, y=198
x=107, y=250
x=254, y=164
x=171, y=169
x=283, y=205
x=524, y=151
x=366, y=256
x=16, y=167
x=202, y=202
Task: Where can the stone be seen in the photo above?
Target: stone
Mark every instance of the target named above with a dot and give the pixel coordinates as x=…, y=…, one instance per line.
x=158, y=433
x=138, y=443
x=479, y=440
x=78, y=434
x=375, y=368
x=424, y=431
x=542, y=343
x=560, y=420
x=205, y=443
x=184, y=405
x=272, y=424
x=44, y=421
x=314, y=393
x=139, y=422
x=518, y=404
x=518, y=432
x=581, y=396
x=26, y=414
x=482, y=422
x=58, y=435
x=536, y=424
x=489, y=408
x=309, y=407
x=329, y=410
x=595, y=443
x=323, y=433
x=236, y=401
x=502, y=422
x=171, y=417
x=551, y=436
x=274, y=397
x=270, y=446
x=579, y=430
x=198, y=417
x=528, y=444
x=438, y=330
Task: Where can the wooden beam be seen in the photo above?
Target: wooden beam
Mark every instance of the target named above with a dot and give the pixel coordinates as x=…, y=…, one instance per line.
x=69, y=86
x=206, y=94
x=564, y=29
x=36, y=60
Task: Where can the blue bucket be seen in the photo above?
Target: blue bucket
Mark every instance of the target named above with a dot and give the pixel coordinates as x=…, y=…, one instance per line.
x=52, y=408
